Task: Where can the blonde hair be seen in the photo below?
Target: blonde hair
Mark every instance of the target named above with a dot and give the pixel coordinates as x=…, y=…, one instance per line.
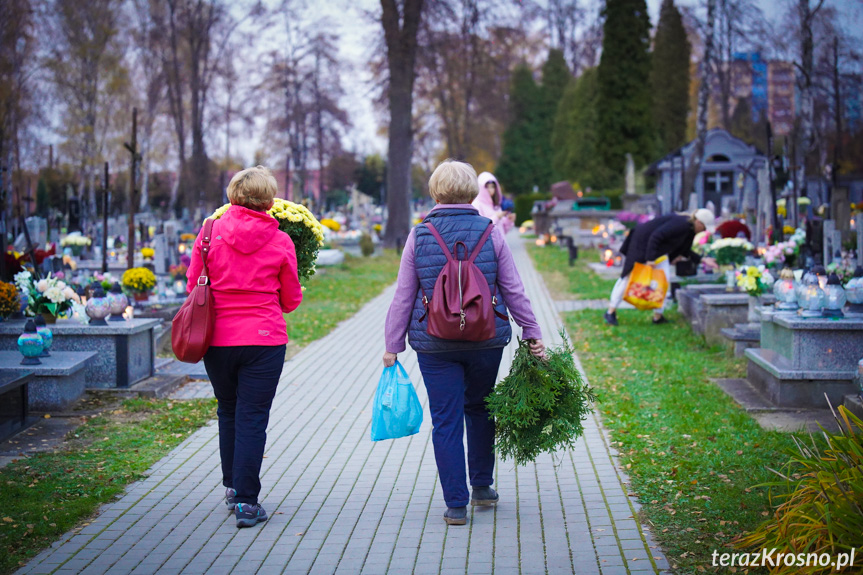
x=453, y=182
x=253, y=188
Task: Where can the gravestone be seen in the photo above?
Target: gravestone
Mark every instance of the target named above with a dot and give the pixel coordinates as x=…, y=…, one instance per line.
x=38, y=229
x=827, y=242
x=860, y=242
x=160, y=260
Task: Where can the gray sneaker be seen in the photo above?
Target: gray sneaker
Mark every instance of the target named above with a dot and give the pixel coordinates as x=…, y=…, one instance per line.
x=483, y=496
x=230, y=494
x=455, y=515
x=249, y=515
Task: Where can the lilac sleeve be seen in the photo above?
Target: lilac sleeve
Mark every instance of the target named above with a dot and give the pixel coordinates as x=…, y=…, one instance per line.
x=512, y=289
x=399, y=314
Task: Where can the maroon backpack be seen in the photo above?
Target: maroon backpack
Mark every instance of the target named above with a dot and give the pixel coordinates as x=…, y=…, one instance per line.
x=461, y=307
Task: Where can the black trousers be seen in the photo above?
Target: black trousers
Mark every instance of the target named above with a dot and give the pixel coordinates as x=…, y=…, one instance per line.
x=244, y=380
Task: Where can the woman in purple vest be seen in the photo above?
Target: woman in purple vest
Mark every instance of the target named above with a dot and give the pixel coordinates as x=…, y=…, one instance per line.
x=458, y=375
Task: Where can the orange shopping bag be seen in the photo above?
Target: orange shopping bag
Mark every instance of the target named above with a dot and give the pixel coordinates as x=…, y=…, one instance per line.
x=646, y=288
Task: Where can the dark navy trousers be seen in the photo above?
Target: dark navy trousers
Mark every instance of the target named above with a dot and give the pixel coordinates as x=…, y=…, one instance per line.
x=244, y=381
x=457, y=383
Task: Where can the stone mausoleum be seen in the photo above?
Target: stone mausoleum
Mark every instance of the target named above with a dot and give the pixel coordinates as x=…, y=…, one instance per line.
x=728, y=178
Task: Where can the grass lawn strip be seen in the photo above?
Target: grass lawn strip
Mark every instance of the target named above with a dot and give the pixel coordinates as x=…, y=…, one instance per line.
x=47, y=494
x=44, y=496
x=568, y=283
x=692, y=454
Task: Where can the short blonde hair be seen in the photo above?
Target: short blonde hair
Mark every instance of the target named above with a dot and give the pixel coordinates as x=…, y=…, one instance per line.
x=253, y=188
x=453, y=182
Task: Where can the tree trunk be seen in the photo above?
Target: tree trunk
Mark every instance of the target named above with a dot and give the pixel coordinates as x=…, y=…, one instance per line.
x=694, y=166
x=806, y=51
x=400, y=31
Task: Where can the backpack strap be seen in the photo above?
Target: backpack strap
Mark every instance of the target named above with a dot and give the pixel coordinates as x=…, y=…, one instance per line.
x=439, y=239
x=481, y=242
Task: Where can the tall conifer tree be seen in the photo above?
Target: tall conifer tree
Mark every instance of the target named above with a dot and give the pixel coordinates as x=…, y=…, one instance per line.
x=669, y=78
x=555, y=78
x=625, y=103
x=521, y=161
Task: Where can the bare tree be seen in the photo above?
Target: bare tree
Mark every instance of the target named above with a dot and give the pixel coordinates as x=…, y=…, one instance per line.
x=17, y=48
x=400, y=22
x=85, y=62
x=707, y=62
x=149, y=81
x=197, y=35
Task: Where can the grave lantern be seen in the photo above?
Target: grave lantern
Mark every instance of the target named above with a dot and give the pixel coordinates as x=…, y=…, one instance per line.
x=854, y=292
x=98, y=307
x=47, y=335
x=30, y=344
x=821, y=274
x=785, y=290
x=118, y=302
x=834, y=298
x=811, y=300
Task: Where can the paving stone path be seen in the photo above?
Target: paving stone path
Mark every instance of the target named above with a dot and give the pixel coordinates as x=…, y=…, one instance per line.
x=340, y=503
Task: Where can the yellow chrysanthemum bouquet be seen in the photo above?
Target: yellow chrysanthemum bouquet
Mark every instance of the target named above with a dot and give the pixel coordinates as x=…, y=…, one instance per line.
x=305, y=230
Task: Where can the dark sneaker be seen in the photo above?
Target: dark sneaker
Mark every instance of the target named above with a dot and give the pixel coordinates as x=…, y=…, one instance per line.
x=610, y=318
x=249, y=515
x=483, y=496
x=455, y=515
x=659, y=320
x=230, y=494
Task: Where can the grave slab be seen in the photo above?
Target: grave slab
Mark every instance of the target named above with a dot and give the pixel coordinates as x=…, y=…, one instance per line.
x=14, y=407
x=58, y=382
x=720, y=311
x=125, y=350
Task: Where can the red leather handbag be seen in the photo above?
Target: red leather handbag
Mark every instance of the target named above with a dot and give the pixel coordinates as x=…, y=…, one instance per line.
x=192, y=328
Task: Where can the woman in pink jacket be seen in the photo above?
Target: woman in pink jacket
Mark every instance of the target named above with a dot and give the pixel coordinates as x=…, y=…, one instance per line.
x=253, y=274
x=488, y=202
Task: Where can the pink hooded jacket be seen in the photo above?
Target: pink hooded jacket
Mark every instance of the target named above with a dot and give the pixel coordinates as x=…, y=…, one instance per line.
x=253, y=274
x=488, y=206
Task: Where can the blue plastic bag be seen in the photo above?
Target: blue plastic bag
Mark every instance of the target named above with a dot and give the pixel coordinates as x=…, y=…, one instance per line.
x=397, y=411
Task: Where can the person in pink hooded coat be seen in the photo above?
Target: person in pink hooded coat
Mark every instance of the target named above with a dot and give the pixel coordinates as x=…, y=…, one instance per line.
x=488, y=202
x=253, y=276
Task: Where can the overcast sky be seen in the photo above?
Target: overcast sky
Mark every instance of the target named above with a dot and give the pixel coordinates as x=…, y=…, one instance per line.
x=357, y=32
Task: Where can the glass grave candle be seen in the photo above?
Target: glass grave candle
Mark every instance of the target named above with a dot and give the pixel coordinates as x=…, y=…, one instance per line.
x=118, y=301
x=854, y=293
x=98, y=307
x=785, y=290
x=834, y=298
x=47, y=335
x=811, y=300
x=30, y=344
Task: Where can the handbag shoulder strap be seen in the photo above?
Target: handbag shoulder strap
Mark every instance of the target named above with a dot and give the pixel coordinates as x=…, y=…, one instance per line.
x=205, y=247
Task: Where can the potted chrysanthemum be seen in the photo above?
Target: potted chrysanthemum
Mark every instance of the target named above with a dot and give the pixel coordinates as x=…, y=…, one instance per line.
x=305, y=230
x=139, y=281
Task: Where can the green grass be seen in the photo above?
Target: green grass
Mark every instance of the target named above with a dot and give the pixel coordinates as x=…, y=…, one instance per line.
x=564, y=282
x=693, y=455
x=47, y=494
x=335, y=293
